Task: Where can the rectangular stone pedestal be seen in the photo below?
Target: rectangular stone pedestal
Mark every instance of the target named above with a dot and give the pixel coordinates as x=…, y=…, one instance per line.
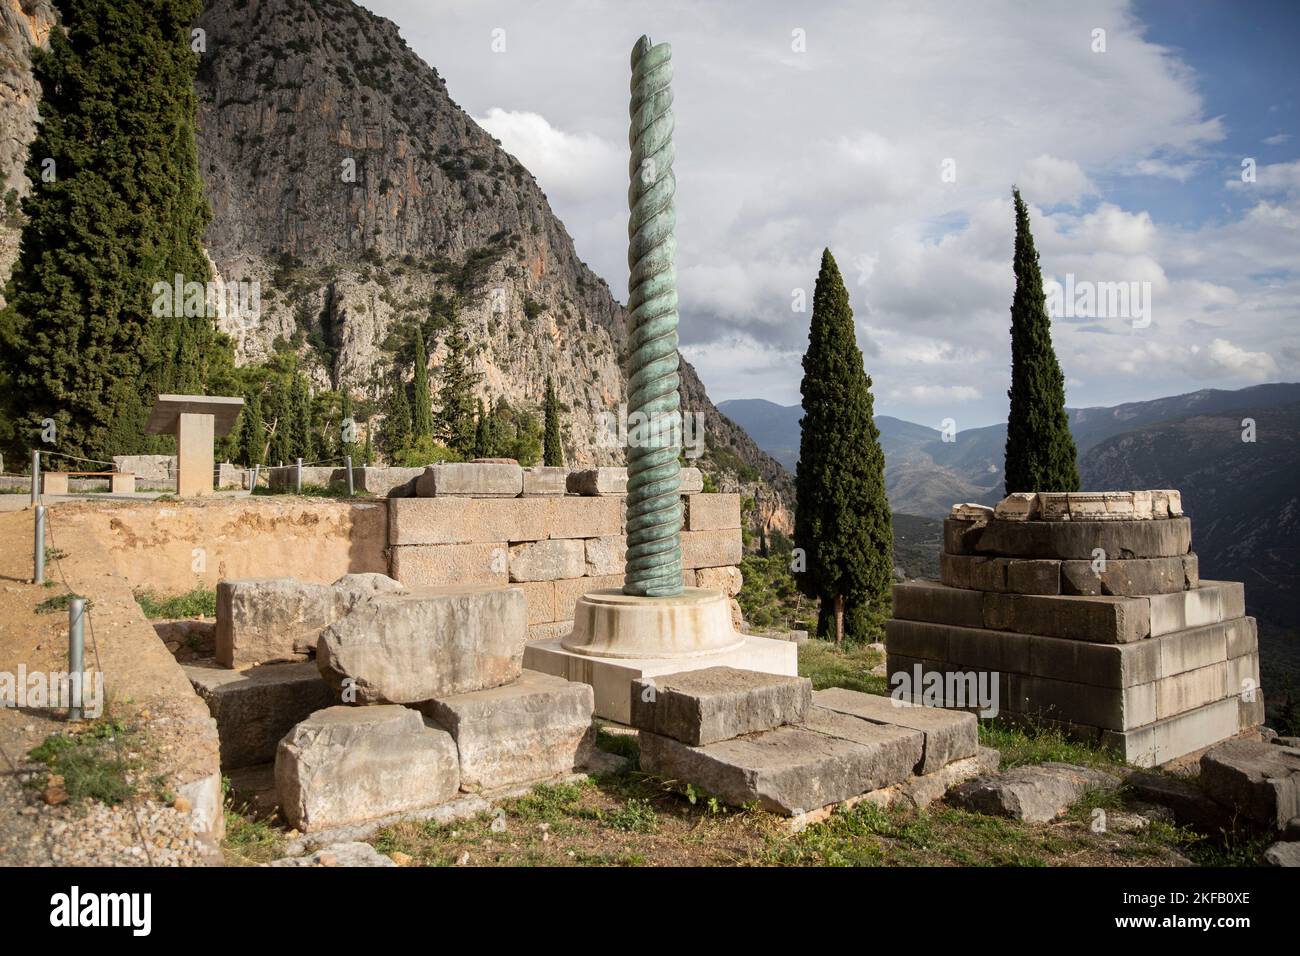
x=611, y=678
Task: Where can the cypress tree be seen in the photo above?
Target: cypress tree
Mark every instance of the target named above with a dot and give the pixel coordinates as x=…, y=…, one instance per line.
x=395, y=433
x=421, y=403
x=281, y=448
x=553, y=454
x=369, y=455
x=116, y=206
x=456, y=393
x=303, y=441
x=842, y=519
x=1040, y=453
x=252, y=433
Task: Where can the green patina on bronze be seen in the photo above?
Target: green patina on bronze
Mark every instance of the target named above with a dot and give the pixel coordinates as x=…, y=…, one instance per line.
x=654, y=507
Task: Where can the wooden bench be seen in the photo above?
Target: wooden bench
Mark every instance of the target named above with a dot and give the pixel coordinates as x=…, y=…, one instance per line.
x=56, y=482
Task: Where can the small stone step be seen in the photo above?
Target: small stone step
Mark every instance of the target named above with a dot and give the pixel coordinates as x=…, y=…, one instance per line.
x=1034, y=794
x=717, y=703
x=949, y=734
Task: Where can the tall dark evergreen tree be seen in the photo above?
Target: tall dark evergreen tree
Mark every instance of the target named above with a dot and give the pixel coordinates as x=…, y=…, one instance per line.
x=456, y=426
x=281, y=448
x=252, y=433
x=395, y=433
x=421, y=402
x=304, y=434
x=1040, y=453
x=553, y=449
x=842, y=518
x=116, y=206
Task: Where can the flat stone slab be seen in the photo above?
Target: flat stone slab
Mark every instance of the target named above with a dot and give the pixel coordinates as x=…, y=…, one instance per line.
x=1134, y=576
x=472, y=479
x=413, y=647
x=545, y=480
x=1283, y=854
x=256, y=707
x=1034, y=794
x=1261, y=780
x=789, y=771
x=598, y=481
x=533, y=728
x=949, y=734
x=717, y=703
x=1074, y=540
x=267, y=620
x=338, y=854
x=345, y=765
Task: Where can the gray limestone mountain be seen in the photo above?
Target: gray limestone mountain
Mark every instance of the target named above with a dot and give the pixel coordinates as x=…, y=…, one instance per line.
x=363, y=202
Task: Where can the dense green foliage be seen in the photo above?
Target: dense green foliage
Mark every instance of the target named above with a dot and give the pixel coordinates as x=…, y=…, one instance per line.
x=421, y=405
x=553, y=448
x=842, y=522
x=455, y=425
x=1040, y=450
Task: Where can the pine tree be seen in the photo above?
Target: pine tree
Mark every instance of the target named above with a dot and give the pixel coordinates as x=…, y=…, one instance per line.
x=553, y=456
x=842, y=519
x=1040, y=452
x=456, y=393
x=252, y=433
x=395, y=433
x=421, y=403
x=116, y=206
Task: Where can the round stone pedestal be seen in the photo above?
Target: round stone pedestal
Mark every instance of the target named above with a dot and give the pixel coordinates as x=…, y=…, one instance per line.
x=695, y=623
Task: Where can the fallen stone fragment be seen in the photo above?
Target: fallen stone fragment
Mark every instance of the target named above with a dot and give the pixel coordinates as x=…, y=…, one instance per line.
x=1261, y=780
x=1283, y=854
x=1034, y=794
x=717, y=703
x=340, y=854
x=949, y=734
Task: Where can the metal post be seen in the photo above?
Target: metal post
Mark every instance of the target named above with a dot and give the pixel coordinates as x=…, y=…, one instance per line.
x=38, y=556
x=349, y=460
x=36, y=476
x=76, y=653
x=297, y=478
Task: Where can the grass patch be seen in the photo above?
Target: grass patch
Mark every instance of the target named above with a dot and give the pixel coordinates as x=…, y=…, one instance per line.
x=201, y=602
x=59, y=602
x=91, y=763
x=851, y=667
x=318, y=491
x=1033, y=743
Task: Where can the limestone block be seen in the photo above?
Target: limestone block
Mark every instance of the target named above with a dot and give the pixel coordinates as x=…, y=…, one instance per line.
x=540, y=598
x=544, y=632
x=1242, y=636
x=533, y=728
x=1261, y=780
x=344, y=765
x=727, y=580
x=1107, y=708
x=712, y=512
x=711, y=549
x=468, y=520
x=378, y=481
x=692, y=481
x=121, y=484
x=969, y=511
x=547, y=560
x=472, y=480
x=1209, y=603
x=960, y=537
x=1193, y=648
x=576, y=517
x=896, y=750
x=543, y=480
x=1102, y=620
x=598, y=481
x=1105, y=665
x=266, y=620
x=1077, y=540
x=351, y=589
x=1165, y=740
x=1015, y=575
x=442, y=565
x=147, y=467
x=407, y=648
x=569, y=590
x=1242, y=676
x=339, y=854
x=606, y=555
x=938, y=604
x=254, y=708
x=1054, y=506
x=1136, y=576
x=1019, y=506
x=54, y=483
x=1167, y=502
x=1034, y=794
x=1191, y=689
x=949, y=735
x=717, y=703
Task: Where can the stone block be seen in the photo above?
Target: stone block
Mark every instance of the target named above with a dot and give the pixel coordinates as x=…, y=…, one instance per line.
x=898, y=750
x=1131, y=577
x=606, y=555
x=380, y=481
x=254, y=708
x=468, y=520
x=959, y=536
x=1101, y=620
x=1019, y=506
x=1105, y=665
x=712, y=512
x=692, y=481
x=539, y=596
x=1034, y=794
x=938, y=604
x=442, y=565
x=727, y=580
x=543, y=480
x=413, y=647
x=717, y=703
x=918, y=639
x=1211, y=602
x=158, y=468
x=120, y=483
x=544, y=632
x=533, y=728
x=268, y=620
x=1076, y=540
x=574, y=517
x=352, y=854
x=1033, y=577
x=1054, y=506
x=786, y=771
x=598, y=482
x=351, y=589
x=547, y=560
x=471, y=479
x=1261, y=780
x=985, y=573
x=1250, y=712
x=1164, y=740
x=1192, y=648
x=970, y=511
x=345, y=765
x=1107, y=708
x=54, y=483
x=949, y=734
x=568, y=591
x=1242, y=675
x=1167, y=502
x=711, y=549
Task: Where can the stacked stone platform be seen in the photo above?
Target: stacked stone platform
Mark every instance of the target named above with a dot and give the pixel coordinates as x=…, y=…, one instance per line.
x=1089, y=612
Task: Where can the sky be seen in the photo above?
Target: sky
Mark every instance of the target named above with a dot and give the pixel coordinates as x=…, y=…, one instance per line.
x=1156, y=143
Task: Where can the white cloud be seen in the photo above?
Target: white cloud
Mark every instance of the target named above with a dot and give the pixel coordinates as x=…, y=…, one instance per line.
x=1223, y=359
x=568, y=165
x=1181, y=172
x=1049, y=181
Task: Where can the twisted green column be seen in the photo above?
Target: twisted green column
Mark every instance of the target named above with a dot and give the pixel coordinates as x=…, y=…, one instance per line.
x=654, y=507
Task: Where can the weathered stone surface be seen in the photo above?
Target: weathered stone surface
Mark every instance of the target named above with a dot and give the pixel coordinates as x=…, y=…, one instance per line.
x=569, y=590
x=1101, y=620
x=547, y=560
x=344, y=765
x=1208, y=603
x=960, y=537
x=1015, y=575
x=717, y=703
x=443, y=565
x=606, y=555
x=543, y=480
x=1283, y=854
x=692, y=481
x=727, y=580
x=1018, y=506
x=712, y=512
x=338, y=854
x=254, y=708
x=1104, y=665
x=472, y=479
x=949, y=735
x=711, y=549
x=1137, y=576
x=938, y=604
x=1261, y=780
x=1108, y=708
x=544, y=632
x=969, y=511
x=598, y=482
x=469, y=520
x=1191, y=806
x=265, y=620
x=896, y=750
x=540, y=598
x=1034, y=794
x=352, y=589
x=789, y=770
x=576, y=517
x=1076, y=540
x=378, y=481
x=147, y=467
x=533, y=728
x=413, y=647
x=1191, y=689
